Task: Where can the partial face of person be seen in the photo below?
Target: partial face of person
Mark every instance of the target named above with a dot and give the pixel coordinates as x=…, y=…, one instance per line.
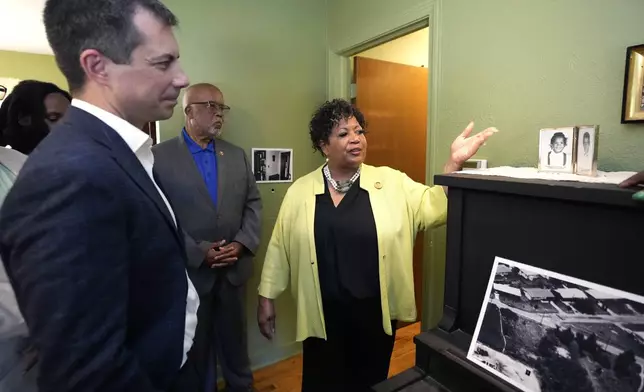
x=205, y=111
x=347, y=145
x=56, y=105
x=148, y=87
x=558, y=145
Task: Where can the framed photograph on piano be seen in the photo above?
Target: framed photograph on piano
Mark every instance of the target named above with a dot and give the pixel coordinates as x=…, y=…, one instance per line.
x=587, y=150
x=557, y=150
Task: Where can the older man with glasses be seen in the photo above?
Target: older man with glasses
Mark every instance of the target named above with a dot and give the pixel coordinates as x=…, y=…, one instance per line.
x=212, y=189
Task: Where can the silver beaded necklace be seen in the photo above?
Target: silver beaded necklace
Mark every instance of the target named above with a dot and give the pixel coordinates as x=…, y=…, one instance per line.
x=340, y=186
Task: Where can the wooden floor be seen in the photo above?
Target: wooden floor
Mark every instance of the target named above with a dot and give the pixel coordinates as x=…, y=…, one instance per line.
x=286, y=376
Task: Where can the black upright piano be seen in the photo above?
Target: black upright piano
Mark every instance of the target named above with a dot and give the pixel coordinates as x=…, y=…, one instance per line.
x=593, y=232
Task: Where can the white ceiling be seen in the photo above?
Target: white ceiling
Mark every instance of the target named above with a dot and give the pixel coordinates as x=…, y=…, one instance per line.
x=21, y=27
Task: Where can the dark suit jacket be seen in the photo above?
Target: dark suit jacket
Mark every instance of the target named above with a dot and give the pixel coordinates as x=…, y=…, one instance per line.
x=96, y=262
x=235, y=218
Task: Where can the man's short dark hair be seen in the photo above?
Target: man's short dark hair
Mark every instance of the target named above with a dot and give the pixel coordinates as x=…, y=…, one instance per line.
x=73, y=26
x=327, y=116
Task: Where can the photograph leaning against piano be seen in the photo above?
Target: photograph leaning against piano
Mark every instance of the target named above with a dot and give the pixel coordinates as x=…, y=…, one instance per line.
x=542, y=331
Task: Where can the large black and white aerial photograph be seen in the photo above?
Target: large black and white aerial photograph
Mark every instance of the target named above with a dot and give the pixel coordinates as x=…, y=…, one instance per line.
x=543, y=331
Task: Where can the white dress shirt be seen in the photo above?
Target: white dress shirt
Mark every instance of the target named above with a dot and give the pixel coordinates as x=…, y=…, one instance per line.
x=141, y=145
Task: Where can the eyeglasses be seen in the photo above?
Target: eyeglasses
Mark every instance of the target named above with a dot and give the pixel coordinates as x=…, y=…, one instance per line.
x=213, y=106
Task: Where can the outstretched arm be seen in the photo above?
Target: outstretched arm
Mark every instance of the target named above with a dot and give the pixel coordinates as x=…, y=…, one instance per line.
x=430, y=203
x=465, y=146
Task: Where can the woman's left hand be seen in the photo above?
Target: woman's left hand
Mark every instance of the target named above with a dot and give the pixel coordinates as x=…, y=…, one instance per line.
x=465, y=146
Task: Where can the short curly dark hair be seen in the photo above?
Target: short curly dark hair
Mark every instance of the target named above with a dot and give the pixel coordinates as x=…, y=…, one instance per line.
x=328, y=116
x=558, y=135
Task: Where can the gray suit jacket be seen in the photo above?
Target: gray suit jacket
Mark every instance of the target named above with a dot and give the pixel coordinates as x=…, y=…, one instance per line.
x=235, y=218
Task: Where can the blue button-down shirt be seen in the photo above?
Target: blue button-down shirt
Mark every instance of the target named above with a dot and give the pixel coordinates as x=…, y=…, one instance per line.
x=206, y=161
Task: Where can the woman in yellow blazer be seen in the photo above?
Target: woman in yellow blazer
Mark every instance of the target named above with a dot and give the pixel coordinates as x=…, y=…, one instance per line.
x=343, y=239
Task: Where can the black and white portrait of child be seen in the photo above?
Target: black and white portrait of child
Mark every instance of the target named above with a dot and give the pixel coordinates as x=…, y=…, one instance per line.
x=556, y=156
x=586, y=151
x=555, y=149
x=585, y=144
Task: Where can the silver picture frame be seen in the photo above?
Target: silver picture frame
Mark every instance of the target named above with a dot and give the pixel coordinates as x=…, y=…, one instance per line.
x=587, y=150
x=553, y=157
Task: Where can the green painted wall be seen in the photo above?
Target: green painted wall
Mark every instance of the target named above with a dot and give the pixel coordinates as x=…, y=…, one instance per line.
x=525, y=65
x=30, y=66
x=517, y=64
x=269, y=58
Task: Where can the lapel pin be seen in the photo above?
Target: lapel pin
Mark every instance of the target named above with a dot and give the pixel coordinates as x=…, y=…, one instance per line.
x=378, y=185
x=221, y=153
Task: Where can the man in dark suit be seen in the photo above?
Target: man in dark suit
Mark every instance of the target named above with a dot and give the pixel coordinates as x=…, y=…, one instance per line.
x=211, y=186
x=90, y=243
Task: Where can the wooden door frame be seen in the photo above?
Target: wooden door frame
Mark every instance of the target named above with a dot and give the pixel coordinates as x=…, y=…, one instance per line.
x=339, y=86
x=152, y=130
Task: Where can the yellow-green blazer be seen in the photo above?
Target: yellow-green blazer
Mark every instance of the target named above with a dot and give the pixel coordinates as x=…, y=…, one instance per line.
x=401, y=208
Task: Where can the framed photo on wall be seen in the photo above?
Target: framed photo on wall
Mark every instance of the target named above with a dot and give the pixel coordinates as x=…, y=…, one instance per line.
x=271, y=165
x=633, y=99
x=557, y=149
x=587, y=150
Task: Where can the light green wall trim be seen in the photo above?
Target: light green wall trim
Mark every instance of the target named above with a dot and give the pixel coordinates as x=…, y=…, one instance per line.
x=410, y=49
x=24, y=66
x=387, y=20
x=357, y=22
x=434, y=253
x=338, y=76
x=269, y=59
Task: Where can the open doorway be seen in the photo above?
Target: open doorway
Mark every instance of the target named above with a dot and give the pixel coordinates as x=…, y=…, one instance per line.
x=390, y=86
x=285, y=166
